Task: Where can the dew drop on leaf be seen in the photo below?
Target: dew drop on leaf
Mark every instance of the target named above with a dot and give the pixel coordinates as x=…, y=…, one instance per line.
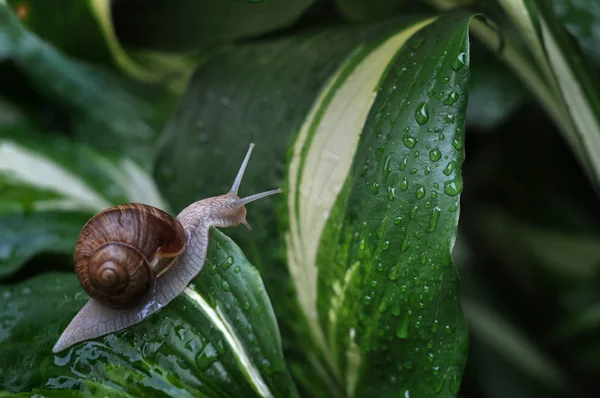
x=449, y=169
x=402, y=329
x=404, y=184
x=451, y=98
x=391, y=193
x=409, y=141
x=453, y=187
x=375, y=188
x=435, y=216
x=422, y=113
x=457, y=144
x=435, y=155
x=393, y=273
x=459, y=61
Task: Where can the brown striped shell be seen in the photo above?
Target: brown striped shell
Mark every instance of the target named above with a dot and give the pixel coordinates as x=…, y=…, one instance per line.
x=121, y=250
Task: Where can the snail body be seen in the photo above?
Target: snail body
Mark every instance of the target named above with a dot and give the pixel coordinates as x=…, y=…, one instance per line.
x=134, y=259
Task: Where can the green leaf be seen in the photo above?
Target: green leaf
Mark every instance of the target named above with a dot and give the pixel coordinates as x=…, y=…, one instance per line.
x=24, y=235
x=107, y=111
x=564, y=70
x=186, y=25
x=218, y=338
x=581, y=18
x=56, y=23
x=96, y=40
x=50, y=186
x=379, y=251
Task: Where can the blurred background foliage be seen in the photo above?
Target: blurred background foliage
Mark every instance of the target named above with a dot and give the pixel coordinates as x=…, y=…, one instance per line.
x=528, y=248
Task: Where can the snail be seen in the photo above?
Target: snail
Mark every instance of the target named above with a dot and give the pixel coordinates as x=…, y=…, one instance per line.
x=134, y=259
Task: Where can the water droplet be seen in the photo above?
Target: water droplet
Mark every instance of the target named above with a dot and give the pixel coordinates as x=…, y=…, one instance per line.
x=364, y=170
x=402, y=329
x=453, y=207
x=435, y=155
x=453, y=187
x=391, y=193
x=367, y=300
x=413, y=171
x=404, y=184
x=386, y=168
x=416, y=154
x=449, y=169
x=246, y=305
x=459, y=61
x=409, y=141
x=414, y=212
x=422, y=113
x=403, y=163
x=435, y=216
x=396, y=310
x=457, y=144
x=393, y=273
x=375, y=188
x=449, y=118
x=225, y=286
x=420, y=192
x=227, y=263
x=398, y=220
x=451, y=98
x=448, y=329
x=381, y=228
x=385, y=245
x=405, y=243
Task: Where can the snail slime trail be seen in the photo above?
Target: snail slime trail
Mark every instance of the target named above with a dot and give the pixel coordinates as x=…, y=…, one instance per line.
x=133, y=259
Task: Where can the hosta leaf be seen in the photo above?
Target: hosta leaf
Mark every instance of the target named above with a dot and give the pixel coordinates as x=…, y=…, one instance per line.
x=582, y=19
x=50, y=186
x=107, y=111
x=373, y=214
x=218, y=338
x=184, y=25
x=96, y=39
x=565, y=72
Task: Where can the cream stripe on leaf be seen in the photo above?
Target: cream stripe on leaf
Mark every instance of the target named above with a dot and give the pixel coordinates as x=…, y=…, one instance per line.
x=323, y=154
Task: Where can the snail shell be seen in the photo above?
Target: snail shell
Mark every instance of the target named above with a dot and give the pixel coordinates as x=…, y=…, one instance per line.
x=157, y=243
x=121, y=250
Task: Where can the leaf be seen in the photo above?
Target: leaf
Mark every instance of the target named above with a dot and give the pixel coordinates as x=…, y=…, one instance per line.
x=218, y=338
x=564, y=70
x=581, y=18
x=51, y=186
x=187, y=25
x=386, y=288
x=56, y=23
x=108, y=112
x=96, y=40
